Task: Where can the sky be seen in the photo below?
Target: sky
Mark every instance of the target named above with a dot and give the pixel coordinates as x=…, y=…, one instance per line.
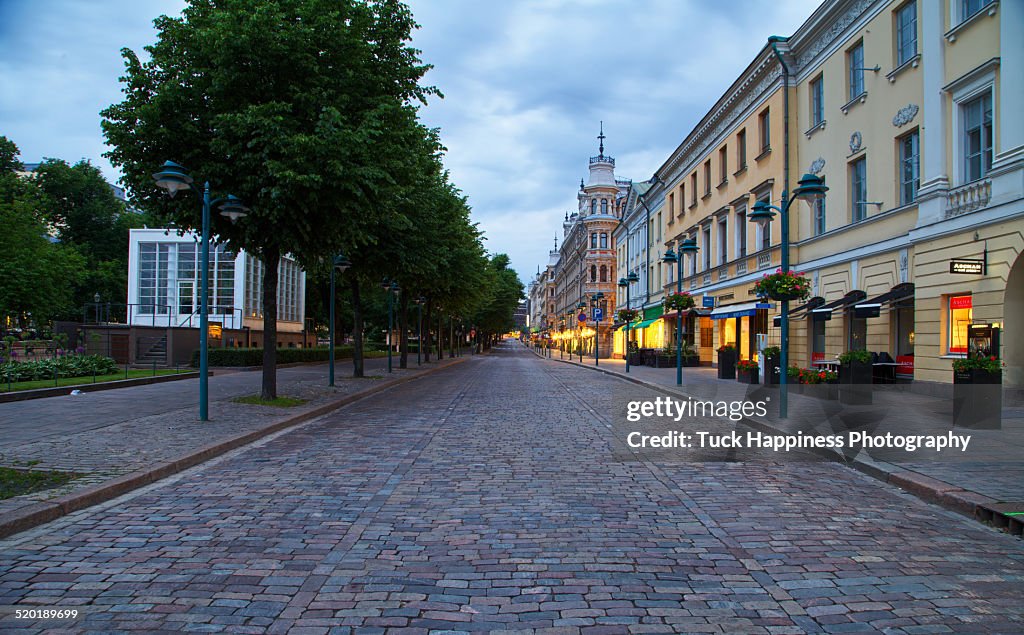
x=525, y=84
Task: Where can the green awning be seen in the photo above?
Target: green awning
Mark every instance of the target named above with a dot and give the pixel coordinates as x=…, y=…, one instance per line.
x=646, y=323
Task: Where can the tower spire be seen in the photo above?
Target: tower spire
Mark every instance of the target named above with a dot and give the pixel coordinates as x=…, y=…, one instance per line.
x=556, y=242
x=600, y=137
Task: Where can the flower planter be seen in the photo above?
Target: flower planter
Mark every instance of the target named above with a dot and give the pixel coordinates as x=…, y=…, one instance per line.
x=636, y=358
x=727, y=364
x=691, y=360
x=747, y=377
x=771, y=376
x=977, y=399
x=661, y=360
x=780, y=297
x=855, y=383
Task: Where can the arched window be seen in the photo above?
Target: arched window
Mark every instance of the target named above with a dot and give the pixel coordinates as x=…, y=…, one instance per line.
x=593, y=273
x=604, y=273
x=604, y=206
x=593, y=206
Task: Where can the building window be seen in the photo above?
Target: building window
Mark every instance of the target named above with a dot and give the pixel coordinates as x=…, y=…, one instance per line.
x=910, y=167
x=741, y=232
x=593, y=240
x=604, y=240
x=671, y=205
x=741, y=149
x=764, y=130
x=817, y=339
x=593, y=206
x=707, y=247
x=682, y=197
x=723, y=171
x=818, y=216
x=693, y=189
x=855, y=70
x=707, y=177
x=604, y=273
x=604, y=206
x=958, y=316
x=977, y=137
x=723, y=241
x=904, y=313
x=906, y=32
x=969, y=7
x=593, y=273
x=817, y=101
x=859, y=189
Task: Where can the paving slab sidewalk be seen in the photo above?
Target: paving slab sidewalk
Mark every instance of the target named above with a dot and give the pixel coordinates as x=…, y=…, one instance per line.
x=122, y=439
x=961, y=485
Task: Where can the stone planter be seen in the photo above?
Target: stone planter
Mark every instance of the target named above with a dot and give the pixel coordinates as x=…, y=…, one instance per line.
x=977, y=399
x=727, y=364
x=661, y=360
x=855, y=384
x=747, y=377
x=636, y=358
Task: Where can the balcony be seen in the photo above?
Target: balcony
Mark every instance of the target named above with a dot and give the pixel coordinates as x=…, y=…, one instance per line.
x=741, y=267
x=764, y=260
x=602, y=159
x=968, y=198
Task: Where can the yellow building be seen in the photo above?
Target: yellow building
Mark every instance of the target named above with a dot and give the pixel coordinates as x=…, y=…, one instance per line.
x=898, y=105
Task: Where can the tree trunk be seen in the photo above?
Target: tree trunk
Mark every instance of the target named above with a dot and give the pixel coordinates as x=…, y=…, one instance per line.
x=357, y=330
x=440, y=337
x=426, y=332
x=403, y=329
x=271, y=260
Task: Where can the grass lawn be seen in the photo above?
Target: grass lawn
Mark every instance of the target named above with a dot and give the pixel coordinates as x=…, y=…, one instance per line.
x=79, y=381
x=280, y=402
x=18, y=482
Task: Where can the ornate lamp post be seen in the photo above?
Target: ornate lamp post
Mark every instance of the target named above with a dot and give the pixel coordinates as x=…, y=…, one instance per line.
x=419, y=328
x=624, y=283
x=581, y=307
x=687, y=246
x=595, y=302
x=811, y=188
x=392, y=288
x=339, y=264
x=173, y=178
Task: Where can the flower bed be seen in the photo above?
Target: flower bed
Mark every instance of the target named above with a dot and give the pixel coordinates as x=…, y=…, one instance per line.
x=63, y=366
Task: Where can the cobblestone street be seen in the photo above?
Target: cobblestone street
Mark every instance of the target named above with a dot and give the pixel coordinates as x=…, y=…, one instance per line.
x=488, y=497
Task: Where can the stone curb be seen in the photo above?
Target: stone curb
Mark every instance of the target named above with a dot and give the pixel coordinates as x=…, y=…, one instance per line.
x=59, y=391
x=44, y=512
x=952, y=497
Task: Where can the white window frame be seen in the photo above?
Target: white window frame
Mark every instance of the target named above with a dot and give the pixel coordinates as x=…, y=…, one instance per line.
x=967, y=89
x=900, y=59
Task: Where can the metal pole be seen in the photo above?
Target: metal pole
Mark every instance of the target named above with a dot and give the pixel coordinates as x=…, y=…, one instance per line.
x=679, y=324
x=419, y=333
x=784, y=349
x=204, y=414
x=389, y=328
x=627, y=328
x=330, y=337
x=597, y=336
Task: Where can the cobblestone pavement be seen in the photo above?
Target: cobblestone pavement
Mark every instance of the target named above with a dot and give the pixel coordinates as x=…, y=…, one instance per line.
x=486, y=497
x=106, y=434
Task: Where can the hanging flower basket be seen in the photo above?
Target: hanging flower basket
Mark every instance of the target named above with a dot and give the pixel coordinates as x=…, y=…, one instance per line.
x=627, y=315
x=679, y=301
x=790, y=285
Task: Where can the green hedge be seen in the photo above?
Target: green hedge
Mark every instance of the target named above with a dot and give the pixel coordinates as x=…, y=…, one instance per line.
x=254, y=356
x=65, y=366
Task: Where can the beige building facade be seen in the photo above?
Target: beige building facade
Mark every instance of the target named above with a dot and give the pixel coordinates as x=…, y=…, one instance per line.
x=909, y=111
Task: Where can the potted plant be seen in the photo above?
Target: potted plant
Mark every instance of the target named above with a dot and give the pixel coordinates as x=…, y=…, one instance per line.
x=794, y=378
x=635, y=356
x=727, y=362
x=665, y=358
x=690, y=355
x=627, y=315
x=978, y=392
x=772, y=357
x=855, y=377
x=788, y=285
x=747, y=371
x=679, y=301
x=820, y=383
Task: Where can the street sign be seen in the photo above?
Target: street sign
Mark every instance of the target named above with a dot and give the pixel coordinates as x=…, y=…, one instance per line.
x=708, y=301
x=582, y=317
x=598, y=314
x=967, y=266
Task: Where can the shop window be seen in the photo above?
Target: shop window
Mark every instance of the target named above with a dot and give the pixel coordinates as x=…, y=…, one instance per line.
x=904, y=316
x=818, y=339
x=857, y=332
x=959, y=311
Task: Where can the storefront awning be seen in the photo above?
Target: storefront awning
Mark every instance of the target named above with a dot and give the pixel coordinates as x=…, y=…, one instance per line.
x=897, y=293
x=801, y=311
x=654, y=312
x=646, y=323
x=698, y=311
x=824, y=313
x=738, y=310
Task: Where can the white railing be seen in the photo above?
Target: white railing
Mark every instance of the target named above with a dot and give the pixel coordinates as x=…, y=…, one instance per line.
x=723, y=273
x=741, y=267
x=764, y=260
x=968, y=198
x=707, y=278
x=693, y=284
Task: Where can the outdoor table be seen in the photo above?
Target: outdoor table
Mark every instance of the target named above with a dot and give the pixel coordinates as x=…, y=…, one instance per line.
x=884, y=372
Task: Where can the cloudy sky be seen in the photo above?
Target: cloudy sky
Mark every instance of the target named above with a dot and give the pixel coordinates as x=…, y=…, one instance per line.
x=525, y=83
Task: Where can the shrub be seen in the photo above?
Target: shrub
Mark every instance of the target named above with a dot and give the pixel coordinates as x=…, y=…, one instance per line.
x=860, y=356
x=746, y=366
x=64, y=366
x=772, y=351
x=987, y=364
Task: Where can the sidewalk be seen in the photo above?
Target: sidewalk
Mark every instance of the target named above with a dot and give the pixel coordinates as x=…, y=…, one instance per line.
x=994, y=479
x=121, y=439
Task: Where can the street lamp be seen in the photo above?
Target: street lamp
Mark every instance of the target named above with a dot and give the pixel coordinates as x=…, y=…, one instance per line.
x=595, y=302
x=392, y=288
x=624, y=283
x=581, y=307
x=339, y=264
x=174, y=178
x=419, y=329
x=810, y=187
x=687, y=246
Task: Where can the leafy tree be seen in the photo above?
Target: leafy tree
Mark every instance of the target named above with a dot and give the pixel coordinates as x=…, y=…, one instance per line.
x=290, y=105
x=495, y=314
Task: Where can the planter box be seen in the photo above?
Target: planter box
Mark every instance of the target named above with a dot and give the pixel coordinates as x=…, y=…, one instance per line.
x=727, y=365
x=855, y=384
x=978, y=399
x=692, y=360
x=636, y=359
x=661, y=360
x=747, y=377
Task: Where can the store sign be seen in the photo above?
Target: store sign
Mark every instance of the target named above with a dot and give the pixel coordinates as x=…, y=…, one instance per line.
x=708, y=301
x=214, y=330
x=906, y=364
x=970, y=267
x=960, y=302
